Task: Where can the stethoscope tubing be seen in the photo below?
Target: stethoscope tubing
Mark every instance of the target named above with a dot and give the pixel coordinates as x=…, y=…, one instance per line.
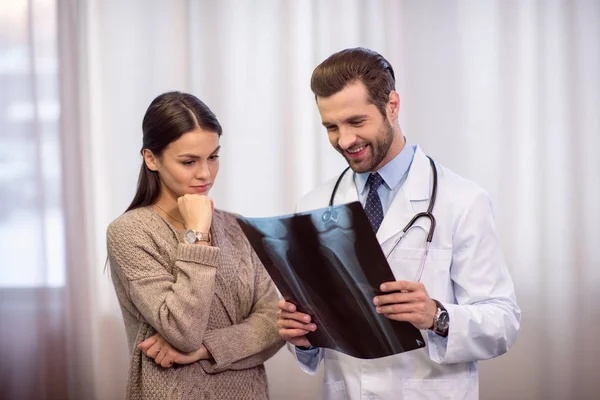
x=427, y=214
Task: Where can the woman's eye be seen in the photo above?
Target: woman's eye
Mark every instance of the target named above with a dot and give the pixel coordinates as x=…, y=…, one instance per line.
x=188, y=163
x=213, y=157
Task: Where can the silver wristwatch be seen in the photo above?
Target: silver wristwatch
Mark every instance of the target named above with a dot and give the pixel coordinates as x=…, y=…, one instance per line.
x=191, y=236
x=441, y=321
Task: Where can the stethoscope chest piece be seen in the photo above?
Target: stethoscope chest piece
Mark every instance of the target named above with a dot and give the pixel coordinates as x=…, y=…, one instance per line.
x=331, y=215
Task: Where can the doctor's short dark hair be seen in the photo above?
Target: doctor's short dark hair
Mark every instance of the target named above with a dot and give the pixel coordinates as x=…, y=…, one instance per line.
x=350, y=65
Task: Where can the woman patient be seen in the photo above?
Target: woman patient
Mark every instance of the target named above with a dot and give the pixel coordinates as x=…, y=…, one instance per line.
x=199, y=307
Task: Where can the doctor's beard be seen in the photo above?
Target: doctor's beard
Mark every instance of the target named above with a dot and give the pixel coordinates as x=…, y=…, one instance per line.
x=378, y=149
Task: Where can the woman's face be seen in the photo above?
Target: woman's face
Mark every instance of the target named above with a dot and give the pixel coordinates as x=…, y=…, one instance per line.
x=188, y=165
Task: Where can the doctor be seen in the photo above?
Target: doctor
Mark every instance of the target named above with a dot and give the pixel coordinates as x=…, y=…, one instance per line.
x=459, y=292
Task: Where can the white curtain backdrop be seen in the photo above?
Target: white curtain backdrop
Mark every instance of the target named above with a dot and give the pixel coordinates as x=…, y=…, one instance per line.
x=505, y=93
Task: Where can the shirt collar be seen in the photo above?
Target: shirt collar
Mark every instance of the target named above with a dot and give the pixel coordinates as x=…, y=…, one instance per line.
x=392, y=173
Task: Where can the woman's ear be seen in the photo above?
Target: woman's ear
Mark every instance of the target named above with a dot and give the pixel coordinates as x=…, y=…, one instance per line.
x=150, y=160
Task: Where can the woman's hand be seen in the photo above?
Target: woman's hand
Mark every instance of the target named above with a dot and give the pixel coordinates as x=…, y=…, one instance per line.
x=197, y=211
x=157, y=348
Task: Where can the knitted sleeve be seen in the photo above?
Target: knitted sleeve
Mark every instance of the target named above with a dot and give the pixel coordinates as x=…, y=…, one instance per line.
x=254, y=340
x=177, y=307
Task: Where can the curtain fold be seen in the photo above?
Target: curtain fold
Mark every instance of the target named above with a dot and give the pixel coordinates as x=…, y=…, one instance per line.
x=81, y=325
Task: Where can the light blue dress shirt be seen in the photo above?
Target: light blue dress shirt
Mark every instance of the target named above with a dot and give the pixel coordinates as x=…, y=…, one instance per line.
x=394, y=174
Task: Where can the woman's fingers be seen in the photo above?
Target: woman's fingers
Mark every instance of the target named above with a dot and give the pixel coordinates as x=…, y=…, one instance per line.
x=166, y=363
x=153, y=351
x=146, y=344
x=161, y=355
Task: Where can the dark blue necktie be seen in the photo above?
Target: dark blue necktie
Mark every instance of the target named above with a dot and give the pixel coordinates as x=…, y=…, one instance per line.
x=373, y=207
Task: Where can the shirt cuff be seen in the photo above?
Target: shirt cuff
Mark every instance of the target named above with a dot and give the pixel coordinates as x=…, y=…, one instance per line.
x=308, y=359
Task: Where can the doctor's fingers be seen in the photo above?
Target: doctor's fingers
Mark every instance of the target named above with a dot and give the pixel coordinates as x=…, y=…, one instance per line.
x=416, y=308
x=286, y=306
x=297, y=316
x=396, y=298
x=293, y=324
x=419, y=320
x=290, y=334
x=404, y=286
x=404, y=317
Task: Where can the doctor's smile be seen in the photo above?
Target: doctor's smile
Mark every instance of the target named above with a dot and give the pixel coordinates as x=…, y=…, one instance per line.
x=357, y=152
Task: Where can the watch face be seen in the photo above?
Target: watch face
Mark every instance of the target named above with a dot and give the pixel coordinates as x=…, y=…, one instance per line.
x=189, y=236
x=443, y=321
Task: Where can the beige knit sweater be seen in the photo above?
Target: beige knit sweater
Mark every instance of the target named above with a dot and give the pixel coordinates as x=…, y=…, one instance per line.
x=220, y=296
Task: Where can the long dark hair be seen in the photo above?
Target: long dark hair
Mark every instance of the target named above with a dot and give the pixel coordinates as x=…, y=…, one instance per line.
x=168, y=117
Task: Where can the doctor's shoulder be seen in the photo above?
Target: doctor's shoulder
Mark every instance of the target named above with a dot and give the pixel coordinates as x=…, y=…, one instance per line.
x=459, y=193
x=318, y=197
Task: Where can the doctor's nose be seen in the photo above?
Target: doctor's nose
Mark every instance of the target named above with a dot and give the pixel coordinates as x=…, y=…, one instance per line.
x=346, y=139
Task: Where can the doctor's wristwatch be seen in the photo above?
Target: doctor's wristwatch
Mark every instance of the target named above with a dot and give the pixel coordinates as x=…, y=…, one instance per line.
x=191, y=236
x=441, y=321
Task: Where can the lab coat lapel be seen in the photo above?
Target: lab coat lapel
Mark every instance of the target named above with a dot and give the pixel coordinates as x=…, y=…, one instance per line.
x=346, y=192
x=402, y=209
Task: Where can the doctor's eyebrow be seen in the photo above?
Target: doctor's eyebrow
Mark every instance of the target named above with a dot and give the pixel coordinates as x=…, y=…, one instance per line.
x=350, y=120
x=356, y=118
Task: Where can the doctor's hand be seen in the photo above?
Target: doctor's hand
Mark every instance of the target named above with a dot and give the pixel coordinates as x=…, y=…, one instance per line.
x=406, y=301
x=293, y=325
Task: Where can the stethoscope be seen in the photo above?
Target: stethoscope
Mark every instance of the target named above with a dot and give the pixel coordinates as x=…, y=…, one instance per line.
x=331, y=214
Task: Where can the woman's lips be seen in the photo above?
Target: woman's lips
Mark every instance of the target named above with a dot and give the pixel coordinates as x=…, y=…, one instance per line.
x=200, y=188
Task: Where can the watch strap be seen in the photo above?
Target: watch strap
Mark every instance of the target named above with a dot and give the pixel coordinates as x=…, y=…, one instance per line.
x=190, y=234
x=440, y=309
x=202, y=237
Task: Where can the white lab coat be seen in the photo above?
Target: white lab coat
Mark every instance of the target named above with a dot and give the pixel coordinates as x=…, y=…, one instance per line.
x=465, y=270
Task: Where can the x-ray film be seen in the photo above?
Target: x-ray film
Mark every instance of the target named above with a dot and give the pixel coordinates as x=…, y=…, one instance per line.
x=329, y=263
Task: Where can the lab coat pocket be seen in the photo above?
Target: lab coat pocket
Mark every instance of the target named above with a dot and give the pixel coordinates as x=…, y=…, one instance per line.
x=406, y=264
x=334, y=390
x=439, y=389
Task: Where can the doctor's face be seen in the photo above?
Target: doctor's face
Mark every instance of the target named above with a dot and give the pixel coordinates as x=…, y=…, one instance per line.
x=356, y=128
x=188, y=165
